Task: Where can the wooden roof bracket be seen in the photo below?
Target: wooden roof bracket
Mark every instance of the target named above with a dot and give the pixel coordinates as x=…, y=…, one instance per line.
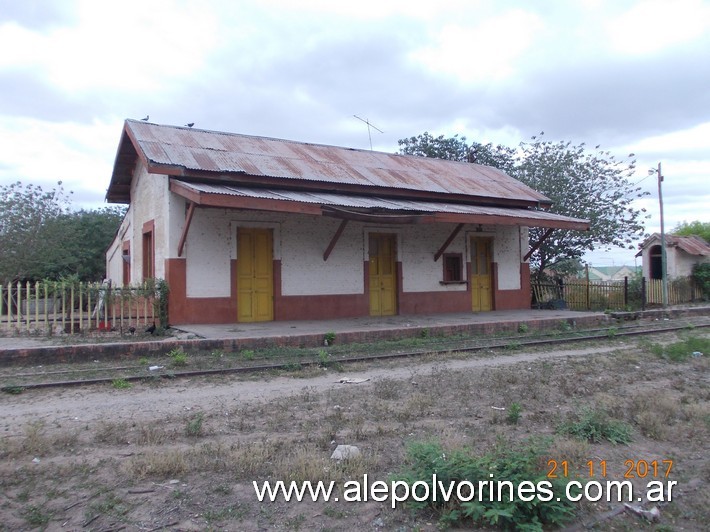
x=446, y=244
x=188, y=220
x=335, y=239
x=538, y=244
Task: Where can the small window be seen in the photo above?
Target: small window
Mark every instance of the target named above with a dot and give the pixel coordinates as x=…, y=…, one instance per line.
x=453, y=268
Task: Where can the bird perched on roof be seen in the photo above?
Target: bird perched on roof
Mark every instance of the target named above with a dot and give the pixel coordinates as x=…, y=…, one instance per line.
x=190, y=124
x=146, y=118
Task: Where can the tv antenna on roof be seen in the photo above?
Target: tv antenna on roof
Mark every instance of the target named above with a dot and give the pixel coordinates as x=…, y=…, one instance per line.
x=369, y=125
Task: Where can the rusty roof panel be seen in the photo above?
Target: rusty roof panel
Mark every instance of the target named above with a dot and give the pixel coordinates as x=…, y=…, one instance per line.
x=693, y=245
x=199, y=150
x=369, y=202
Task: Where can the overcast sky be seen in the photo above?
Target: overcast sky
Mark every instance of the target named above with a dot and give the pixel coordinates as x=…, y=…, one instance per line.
x=633, y=76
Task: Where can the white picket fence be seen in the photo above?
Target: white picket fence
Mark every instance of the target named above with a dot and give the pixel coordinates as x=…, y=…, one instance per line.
x=57, y=307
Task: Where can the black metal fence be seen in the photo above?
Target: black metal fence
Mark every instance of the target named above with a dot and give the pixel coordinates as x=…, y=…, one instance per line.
x=612, y=295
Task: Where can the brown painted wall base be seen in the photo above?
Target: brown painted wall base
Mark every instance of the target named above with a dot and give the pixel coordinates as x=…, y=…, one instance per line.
x=434, y=302
x=185, y=309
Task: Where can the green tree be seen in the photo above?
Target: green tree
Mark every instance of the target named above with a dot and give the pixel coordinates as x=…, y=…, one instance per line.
x=41, y=237
x=80, y=240
x=701, y=229
x=593, y=185
x=25, y=213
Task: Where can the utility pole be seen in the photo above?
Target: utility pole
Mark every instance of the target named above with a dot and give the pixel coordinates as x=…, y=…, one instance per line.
x=664, y=264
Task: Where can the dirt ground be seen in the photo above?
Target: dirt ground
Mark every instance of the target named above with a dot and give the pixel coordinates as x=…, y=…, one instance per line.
x=182, y=455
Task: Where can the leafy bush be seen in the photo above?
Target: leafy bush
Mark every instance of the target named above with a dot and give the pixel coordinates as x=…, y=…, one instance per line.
x=505, y=463
x=701, y=275
x=595, y=425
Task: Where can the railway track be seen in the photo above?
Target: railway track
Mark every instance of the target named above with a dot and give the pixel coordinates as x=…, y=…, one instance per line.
x=18, y=382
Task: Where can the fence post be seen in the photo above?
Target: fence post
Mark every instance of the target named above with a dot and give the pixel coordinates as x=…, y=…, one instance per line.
x=626, y=292
x=586, y=270
x=643, y=293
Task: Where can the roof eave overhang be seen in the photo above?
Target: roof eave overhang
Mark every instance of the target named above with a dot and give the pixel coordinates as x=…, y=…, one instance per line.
x=209, y=199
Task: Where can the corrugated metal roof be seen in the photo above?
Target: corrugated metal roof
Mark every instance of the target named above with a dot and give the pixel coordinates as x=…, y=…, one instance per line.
x=693, y=245
x=228, y=153
x=371, y=202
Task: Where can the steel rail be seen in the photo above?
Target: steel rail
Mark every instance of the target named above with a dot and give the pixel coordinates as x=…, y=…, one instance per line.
x=351, y=360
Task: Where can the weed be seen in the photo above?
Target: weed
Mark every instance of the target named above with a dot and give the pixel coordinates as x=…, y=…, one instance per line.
x=110, y=505
x=217, y=353
x=612, y=332
x=460, y=467
x=248, y=354
x=230, y=512
x=522, y=328
x=424, y=333
x=329, y=338
x=595, y=425
x=179, y=357
x=13, y=390
x=35, y=441
x=683, y=350
x=143, y=361
x=161, y=464
x=323, y=358
x=223, y=489
x=194, y=425
x=514, y=411
x=296, y=522
x=120, y=384
x=35, y=516
x=565, y=326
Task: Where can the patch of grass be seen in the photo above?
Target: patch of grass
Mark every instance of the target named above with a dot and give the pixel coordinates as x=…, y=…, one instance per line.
x=194, y=425
x=120, y=384
x=459, y=467
x=233, y=511
x=522, y=328
x=248, y=354
x=13, y=390
x=36, y=516
x=161, y=464
x=109, y=505
x=595, y=425
x=683, y=350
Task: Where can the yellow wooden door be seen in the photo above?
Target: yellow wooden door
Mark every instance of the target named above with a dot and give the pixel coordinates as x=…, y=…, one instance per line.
x=383, y=280
x=255, y=275
x=481, y=282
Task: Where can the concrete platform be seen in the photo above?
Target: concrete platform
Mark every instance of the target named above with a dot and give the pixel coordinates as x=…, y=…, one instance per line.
x=236, y=336
x=397, y=326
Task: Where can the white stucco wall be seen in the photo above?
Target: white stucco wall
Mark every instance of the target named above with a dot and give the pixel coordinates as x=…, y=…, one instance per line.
x=303, y=270
x=300, y=240
x=417, y=246
x=149, y=201
x=114, y=253
x=507, y=252
x=208, y=250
